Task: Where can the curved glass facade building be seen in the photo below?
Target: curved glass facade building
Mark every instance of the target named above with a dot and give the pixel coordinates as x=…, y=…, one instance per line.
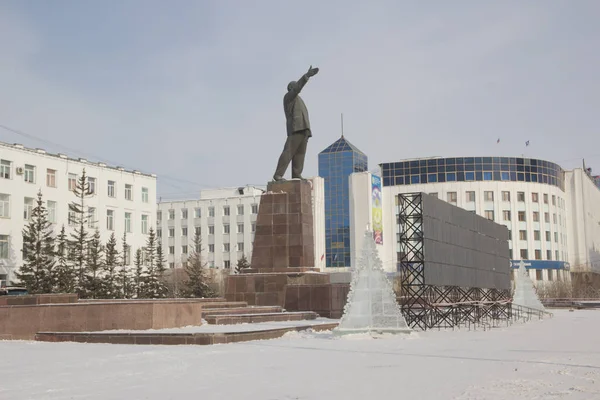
x=465, y=169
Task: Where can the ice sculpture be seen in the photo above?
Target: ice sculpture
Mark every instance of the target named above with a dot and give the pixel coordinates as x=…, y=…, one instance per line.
x=525, y=294
x=371, y=306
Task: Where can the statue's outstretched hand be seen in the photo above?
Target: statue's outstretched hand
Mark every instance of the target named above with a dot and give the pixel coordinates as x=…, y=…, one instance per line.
x=312, y=71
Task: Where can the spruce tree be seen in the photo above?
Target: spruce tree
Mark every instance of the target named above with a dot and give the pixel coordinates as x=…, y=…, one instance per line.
x=64, y=271
x=242, y=264
x=92, y=279
x=197, y=282
x=79, y=236
x=37, y=273
x=111, y=261
x=125, y=281
x=139, y=278
x=162, y=289
x=152, y=283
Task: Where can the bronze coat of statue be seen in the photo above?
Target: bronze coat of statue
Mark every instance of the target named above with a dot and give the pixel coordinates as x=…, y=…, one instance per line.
x=298, y=129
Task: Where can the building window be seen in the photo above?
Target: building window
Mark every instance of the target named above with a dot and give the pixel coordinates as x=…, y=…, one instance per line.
x=159, y=216
x=227, y=264
x=110, y=220
x=91, y=184
x=555, y=237
x=522, y=235
x=4, y=246
x=226, y=211
x=211, y=229
x=171, y=249
x=72, y=182
x=50, y=177
x=240, y=228
x=111, y=188
x=536, y=216
x=226, y=247
x=91, y=217
x=29, y=174
x=489, y=214
x=171, y=214
x=145, y=224
x=554, y=218
x=452, y=197
x=488, y=195
x=470, y=197
x=145, y=195
x=523, y=254
x=128, y=192
x=28, y=208
x=505, y=196
x=509, y=234
x=211, y=248
x=510, y=253
x=51, y=210
x=240, y=246
x=159, y=233
x=240, y=209
x=538, y=254
x=197, y=231
x=70, y=216
x=254, y=208
x=521, y=196
x=538, y=274
x=253, y=227
x=506, y=215
x=171, y=265
x=5, y=167
x=522, y=216
x=545, y=198
x=548, y=254
x=197, y=212
x=128, y=222
x=211, y=211
x=547, y=217
x=556, y=255
x=553, y=200
x=226, y=229
x=535, y=197
x=171, y=232
x=4, y=205
x=184, y=213
x=548, y=236
x=184, y=249
x=537, y=236
x=550, y=275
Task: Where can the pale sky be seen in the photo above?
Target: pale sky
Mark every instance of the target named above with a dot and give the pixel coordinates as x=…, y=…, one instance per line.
x=192, y=90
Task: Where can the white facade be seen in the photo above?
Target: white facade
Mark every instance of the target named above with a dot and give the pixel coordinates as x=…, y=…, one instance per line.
x=583, y=204
x=122, y=199
x=535, y=214
x=226, y=219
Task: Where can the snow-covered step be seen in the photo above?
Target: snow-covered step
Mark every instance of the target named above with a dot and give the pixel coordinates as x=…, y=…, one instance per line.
x=265, y=317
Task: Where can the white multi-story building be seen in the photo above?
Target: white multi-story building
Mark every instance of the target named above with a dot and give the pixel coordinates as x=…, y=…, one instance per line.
x=528, y=196
x=122, y=201
x=226, y=221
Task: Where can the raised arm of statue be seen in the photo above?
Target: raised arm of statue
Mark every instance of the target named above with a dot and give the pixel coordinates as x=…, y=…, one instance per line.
x=294, y=88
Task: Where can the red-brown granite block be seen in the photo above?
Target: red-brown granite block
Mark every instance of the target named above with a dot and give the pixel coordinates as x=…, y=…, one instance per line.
x=263, y=230
x=280, y=219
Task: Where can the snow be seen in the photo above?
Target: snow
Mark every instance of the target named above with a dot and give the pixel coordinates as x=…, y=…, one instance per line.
x=556, y=358
x=245, y=327
x=371, y=305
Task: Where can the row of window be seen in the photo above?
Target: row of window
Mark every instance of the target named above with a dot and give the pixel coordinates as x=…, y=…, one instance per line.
x=521, y=216
x=211, y=248
x=524, y=254
x=488, y=195
x=211, y=230
x=211, y=212
x=537, y=236
x=91, y=217
x=29, y=174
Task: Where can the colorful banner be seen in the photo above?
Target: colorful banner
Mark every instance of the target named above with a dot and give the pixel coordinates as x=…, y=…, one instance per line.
x=376, y=209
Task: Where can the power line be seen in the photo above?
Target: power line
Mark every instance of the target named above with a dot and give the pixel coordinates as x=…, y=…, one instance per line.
x=92, y=156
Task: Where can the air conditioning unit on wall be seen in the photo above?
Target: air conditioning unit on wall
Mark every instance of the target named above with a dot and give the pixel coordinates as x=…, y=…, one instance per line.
x=19, y=170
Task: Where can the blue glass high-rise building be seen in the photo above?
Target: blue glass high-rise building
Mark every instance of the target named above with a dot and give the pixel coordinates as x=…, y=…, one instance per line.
x=336, y=163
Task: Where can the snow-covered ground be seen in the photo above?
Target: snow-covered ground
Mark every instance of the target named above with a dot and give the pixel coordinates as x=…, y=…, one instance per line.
x=557, y=358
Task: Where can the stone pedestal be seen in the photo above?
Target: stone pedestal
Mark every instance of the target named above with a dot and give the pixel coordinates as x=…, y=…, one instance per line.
x=283, y=255
x=284, y=228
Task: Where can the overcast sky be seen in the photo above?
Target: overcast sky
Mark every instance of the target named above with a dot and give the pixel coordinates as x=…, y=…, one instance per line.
x=192, y=90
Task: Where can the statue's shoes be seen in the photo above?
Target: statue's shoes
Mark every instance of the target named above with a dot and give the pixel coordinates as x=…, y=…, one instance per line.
x=278, y=178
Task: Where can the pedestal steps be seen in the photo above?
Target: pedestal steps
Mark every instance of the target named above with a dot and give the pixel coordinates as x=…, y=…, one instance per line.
x=232, y=319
